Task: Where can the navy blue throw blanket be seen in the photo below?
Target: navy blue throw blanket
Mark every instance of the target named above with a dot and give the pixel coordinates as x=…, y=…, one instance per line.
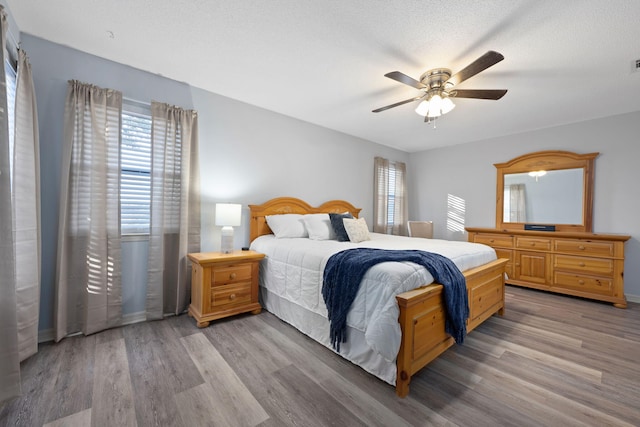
x=344, y=272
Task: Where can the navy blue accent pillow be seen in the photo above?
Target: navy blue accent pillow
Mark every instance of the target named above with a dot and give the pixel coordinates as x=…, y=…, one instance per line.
x=338, y=226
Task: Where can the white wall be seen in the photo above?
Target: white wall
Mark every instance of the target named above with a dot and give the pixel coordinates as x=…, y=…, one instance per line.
x=467, y=171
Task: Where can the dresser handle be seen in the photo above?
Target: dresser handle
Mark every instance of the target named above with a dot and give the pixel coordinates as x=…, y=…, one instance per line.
x=533, y=243
x=491, y=241
x=581, y=282
x=232, y=297
x=582, y=264
x=232, y=276
x=581, y=247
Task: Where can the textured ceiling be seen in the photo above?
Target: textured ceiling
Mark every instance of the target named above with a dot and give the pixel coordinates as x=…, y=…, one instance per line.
x=324, y=61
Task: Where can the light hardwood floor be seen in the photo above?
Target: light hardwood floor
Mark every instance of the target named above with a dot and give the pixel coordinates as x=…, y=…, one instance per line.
x=551, y=360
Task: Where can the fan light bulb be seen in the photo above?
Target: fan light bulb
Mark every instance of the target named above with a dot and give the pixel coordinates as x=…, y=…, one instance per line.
x=435, y=105
x=447, y=105
x=423, y=108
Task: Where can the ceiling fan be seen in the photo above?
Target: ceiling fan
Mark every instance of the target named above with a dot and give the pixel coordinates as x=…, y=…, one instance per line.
x=438, y=87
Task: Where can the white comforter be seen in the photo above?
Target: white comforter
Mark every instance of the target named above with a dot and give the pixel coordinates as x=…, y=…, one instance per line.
x=293, y=269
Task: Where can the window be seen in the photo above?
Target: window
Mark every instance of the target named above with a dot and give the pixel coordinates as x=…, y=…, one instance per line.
x=391, y=195
x=390, y=210
x=135, y=164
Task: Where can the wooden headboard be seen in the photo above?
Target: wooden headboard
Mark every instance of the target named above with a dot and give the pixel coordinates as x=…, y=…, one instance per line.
x=290, y=205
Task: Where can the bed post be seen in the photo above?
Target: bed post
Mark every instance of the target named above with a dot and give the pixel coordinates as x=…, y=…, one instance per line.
x=403, y=361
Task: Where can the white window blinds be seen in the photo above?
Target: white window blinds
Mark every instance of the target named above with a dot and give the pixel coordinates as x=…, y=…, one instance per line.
x=135, y=164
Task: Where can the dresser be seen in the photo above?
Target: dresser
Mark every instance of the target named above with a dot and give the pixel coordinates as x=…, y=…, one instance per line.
x=223, y=285
x=589, y=265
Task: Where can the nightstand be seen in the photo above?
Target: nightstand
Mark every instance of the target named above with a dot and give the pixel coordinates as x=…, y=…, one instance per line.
x=223, y=285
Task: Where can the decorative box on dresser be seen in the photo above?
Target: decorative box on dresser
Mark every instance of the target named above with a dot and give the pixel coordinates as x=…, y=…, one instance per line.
x=223, y=285
x=588, y=265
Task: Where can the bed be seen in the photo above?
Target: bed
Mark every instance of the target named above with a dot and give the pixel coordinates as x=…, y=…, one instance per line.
x=396, y=324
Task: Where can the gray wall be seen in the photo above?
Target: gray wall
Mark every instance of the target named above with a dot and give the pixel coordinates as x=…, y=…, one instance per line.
x=467, y=171
x=247, y=155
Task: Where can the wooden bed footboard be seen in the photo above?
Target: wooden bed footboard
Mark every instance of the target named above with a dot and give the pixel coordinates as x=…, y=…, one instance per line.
x=422, y=318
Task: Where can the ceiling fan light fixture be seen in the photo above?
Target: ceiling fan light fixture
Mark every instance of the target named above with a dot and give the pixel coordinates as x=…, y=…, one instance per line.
x=439, y=84
x=435, y=106
x=447, y=105
x=423, y=108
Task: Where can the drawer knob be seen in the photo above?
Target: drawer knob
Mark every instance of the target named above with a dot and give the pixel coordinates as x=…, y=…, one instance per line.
x=581, y=247
x=581, y=282
x=582, y=264
x=232, y=276
x=491, y=241
x=533, y=243
x=232, y=297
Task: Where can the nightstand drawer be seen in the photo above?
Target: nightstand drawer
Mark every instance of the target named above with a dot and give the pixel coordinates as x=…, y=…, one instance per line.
x=232, y=273
x=531, y=243
x=598, y=285
x=586, y=265
x=231, y=295
x=581, y=247
x=494, y=240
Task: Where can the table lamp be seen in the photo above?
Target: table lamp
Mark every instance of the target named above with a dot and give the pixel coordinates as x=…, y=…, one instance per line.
x=228, y=215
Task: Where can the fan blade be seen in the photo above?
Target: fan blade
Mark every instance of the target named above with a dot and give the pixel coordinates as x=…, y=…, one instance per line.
x=377, y=110
x=403, y=78
x=485, y=61
x=494, y=94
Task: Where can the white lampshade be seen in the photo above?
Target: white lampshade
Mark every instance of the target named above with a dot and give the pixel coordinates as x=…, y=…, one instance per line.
x=435, y=105
x=228, y=214
x=447, y=105
x=423, y=108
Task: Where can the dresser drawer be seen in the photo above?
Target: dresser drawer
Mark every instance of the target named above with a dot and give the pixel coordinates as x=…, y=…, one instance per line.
x=533, y=243
x=597, y=285
x=231, y=295
x=585, y=265
x=499, y=240
x=587, y=248
x=232, y=273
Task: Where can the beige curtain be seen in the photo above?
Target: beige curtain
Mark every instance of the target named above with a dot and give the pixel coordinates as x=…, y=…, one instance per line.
x=175, y=208
x=517, y=203
x=88, y=287
x=26, y=205
x=390, y=204
x=9, y=352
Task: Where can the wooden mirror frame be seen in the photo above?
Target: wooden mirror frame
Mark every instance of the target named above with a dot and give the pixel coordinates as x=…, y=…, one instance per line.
x=549, y=160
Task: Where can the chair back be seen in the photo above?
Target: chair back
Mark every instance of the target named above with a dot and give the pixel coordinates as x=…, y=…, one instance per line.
x=420, y=229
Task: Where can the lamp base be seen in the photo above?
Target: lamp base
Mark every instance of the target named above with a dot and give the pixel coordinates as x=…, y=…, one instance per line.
x=226, y=246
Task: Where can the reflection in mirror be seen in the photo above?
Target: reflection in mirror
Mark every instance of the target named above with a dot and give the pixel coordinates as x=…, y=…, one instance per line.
x=544, y=197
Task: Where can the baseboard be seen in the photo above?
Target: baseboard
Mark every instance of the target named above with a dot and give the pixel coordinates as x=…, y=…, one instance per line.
x=46, y=335
x=633, y=298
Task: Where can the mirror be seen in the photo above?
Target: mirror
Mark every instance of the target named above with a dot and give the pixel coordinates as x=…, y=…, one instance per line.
x=546, y=188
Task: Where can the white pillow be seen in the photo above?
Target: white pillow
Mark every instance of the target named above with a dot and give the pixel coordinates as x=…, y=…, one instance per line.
x=287, y=225
x=319, y=227
x=357, y=229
